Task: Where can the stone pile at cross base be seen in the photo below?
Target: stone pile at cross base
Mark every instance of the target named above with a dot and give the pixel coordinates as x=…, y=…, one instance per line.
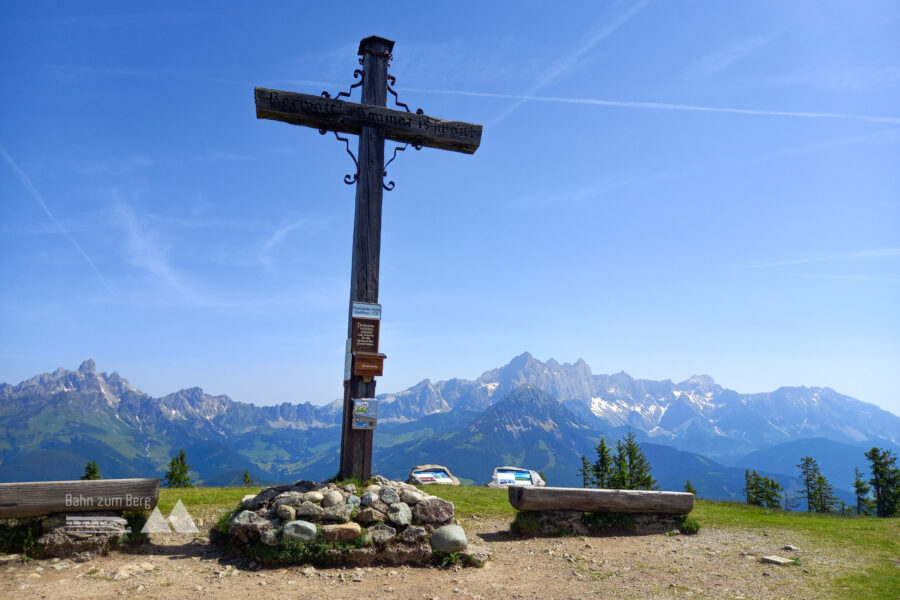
x=396, y=522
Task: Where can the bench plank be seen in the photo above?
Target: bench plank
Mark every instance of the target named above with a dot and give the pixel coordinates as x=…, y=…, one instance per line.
x=600, y=500
x=30, y=499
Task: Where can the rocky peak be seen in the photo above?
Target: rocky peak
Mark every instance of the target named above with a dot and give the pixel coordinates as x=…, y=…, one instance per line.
x=88, y=367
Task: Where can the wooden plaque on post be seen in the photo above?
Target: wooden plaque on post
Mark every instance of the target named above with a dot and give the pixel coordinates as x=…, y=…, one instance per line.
x=368, y=364
x=364, y=335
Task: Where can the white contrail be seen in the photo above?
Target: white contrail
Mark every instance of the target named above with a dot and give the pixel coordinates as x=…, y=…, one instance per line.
x=36, y=196
x=668, y=106
x=567, y=62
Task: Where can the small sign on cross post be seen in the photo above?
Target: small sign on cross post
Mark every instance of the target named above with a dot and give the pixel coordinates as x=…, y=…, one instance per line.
x=373, y=122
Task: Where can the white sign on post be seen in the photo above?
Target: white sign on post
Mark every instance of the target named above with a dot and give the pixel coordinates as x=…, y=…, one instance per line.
x=364, y=310
x=365, y=413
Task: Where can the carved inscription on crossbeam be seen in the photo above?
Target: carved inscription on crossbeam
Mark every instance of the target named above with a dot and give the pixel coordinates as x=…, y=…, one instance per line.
x=350, y=117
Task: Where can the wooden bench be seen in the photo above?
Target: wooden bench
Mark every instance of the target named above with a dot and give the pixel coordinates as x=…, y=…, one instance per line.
x=600, y=500
x=34, y=498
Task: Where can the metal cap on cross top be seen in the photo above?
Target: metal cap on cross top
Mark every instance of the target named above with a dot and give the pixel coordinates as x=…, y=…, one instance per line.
x=374, y=123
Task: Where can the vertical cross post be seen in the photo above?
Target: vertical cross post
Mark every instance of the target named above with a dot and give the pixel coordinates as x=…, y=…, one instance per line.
x=356, y=444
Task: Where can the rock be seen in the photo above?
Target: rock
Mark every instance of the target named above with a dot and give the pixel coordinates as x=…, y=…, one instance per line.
x=350, y=488
x=343, y=532
x=288, y=499
x=777, y=560
x=299, y=531
x=353, y=499
x=314, y=497
x=413, y=534
x=374, y=488
x=362, y=556
x=332, y=498
x=477, y=554
x=449, y=539
x=246, y=525
x=269, y=537
x=380, y=506
x=287, y=513
x=389, y=496
x=309, y=510
x=370, y=515
x=790, y=548
x=411, y=496
x=399, y=514
x=433, y=510
x=381, y=533
x=400, y=554
x=368, y=498
x=382, y=480
x=339, y=512
x=146, y=566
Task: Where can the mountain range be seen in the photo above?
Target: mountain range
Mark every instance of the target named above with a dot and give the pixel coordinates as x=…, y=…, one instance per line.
x=539, y=415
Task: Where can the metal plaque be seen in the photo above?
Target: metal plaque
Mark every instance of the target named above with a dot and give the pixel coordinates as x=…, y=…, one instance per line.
x=365, y=310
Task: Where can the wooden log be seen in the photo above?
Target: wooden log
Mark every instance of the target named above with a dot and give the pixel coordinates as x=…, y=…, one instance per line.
x=350, y=117
x=30, y=499
x=600, y=500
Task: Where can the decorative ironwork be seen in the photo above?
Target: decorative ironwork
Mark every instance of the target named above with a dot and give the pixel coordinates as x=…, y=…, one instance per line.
x=391, y=80
x=357, y=74
x=348, y=179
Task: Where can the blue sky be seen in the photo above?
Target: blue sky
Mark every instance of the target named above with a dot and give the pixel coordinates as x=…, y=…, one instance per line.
x=664, y=188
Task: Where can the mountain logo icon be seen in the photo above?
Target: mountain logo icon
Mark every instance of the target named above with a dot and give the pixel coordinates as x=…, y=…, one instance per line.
x=180, y=518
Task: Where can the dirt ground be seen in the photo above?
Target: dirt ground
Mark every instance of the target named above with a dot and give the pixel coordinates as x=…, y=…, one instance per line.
x=712, y=564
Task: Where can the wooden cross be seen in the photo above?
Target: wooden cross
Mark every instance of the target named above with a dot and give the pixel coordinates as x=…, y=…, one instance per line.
x=374, y=123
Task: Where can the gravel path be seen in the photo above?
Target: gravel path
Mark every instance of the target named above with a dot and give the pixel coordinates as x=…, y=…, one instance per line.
x=714, y=564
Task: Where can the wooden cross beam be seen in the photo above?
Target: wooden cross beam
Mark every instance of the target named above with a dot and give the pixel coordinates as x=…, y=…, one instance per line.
x=373, y=122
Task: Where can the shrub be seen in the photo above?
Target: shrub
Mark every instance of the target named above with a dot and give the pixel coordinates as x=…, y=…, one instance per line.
x=689, y=526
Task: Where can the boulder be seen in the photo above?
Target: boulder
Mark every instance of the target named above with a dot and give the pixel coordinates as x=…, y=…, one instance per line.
x=269, y=537
x=411, y=495
x=309, y=510
x=339, y=512
x=342, y=532
x=368, y=498
x=299, y=531
x=413, y=534
x=399, y=514
x=332, y=498
x=350, y=488
x=286, y=512
x=433, y=510
x=389, y=496
x=249, y=502
x=246, y=525
x=381, y=533
x=353, y=499
x=314, y=497
x=370, y=515
x=288, y=499
x=449, y=539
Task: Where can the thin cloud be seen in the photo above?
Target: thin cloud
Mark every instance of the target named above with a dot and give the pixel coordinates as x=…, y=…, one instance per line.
x=723, y=58
x=872, y=254
x=37, y=197
x=144, y=252
x=669, y=106
x=574, y=58
x=276, y=238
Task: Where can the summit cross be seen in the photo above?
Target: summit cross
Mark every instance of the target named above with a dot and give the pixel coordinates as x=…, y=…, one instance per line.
x=374, y=123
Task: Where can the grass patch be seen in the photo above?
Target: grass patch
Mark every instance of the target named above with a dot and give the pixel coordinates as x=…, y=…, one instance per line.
x=480, y=501
x=689, y=526
x=203, y=497
x=18, y=536
x=446, y=560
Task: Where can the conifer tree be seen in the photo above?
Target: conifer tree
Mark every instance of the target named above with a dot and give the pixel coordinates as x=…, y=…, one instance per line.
x=619, y=477
x=639, y=477
x=885, y=481
x=91, y=471
x=861, y=488
x=177, y=473
x=809, y=472
x=603, y=466
x=248, y=481
x=689, y=488
x=586, y=472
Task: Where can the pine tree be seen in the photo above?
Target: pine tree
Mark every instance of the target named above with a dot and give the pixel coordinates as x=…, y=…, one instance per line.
x=825, y=500
x=177, y=473
x=603, y=466
x=91, y=471
x=809, y=472
x=861, y=488
x=689, y=488
x=762, y=491
x=885, y=481
x=248, y=481
x=618, y=479
x=586, y=472
x=639, y=477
